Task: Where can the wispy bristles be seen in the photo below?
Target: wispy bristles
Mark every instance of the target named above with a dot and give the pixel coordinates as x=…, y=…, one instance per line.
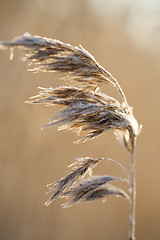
x=79, y=169
x=50, y=55
x=88, y=110
x=92, y=189
x=69, y=185
x=67, y=95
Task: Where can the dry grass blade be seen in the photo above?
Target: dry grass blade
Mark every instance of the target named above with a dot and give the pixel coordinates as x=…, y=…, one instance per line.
x=105, y=192
x=64, y=187
x=79, y=169
x=67, y=95
x=86, y=111
x=55, y=56
x=92, y=189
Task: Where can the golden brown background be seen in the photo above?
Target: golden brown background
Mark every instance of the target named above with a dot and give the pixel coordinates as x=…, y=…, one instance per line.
x=124, y=36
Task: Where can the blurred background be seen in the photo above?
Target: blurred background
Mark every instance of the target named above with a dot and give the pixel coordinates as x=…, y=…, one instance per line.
x=124, y=37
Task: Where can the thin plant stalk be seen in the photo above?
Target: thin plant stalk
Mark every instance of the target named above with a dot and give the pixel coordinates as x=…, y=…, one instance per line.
x=133, y=194
x=120, y=91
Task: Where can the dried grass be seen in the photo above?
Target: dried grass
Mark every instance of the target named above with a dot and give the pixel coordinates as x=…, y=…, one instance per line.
x=86, y=111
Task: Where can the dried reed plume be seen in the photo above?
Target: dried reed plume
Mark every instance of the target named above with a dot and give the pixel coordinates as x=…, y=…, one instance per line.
x=86, y=111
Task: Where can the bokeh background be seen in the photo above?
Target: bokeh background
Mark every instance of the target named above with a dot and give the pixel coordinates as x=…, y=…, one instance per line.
x=124, y=36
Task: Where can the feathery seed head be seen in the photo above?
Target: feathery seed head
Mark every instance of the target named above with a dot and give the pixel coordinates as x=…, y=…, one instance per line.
x=87, y=110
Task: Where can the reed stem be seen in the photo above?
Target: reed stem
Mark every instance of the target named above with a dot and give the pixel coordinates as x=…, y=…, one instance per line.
x=133, y=195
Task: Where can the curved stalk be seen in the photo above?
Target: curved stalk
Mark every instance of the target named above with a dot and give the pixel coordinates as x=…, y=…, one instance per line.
x=118, y=87
x=121, y=92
